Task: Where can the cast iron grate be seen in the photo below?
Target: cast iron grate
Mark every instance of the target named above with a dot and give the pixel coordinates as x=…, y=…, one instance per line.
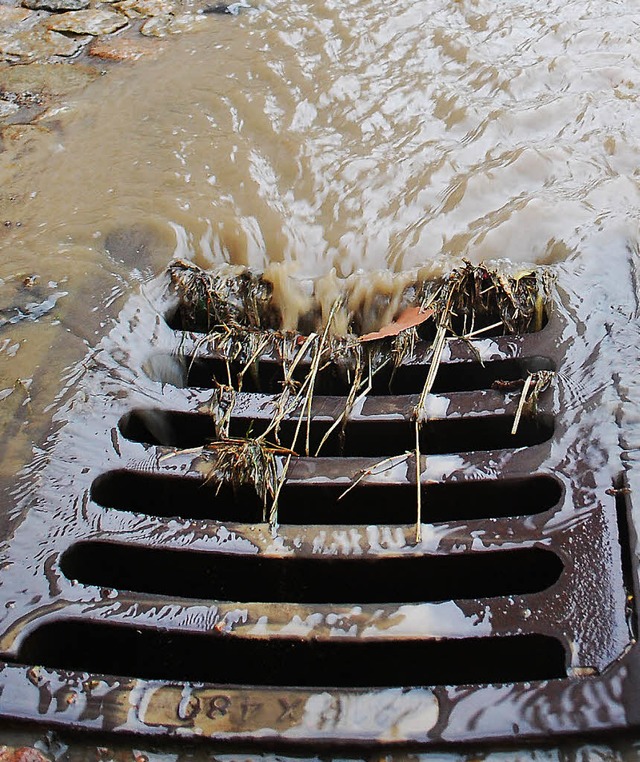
x=161, y=602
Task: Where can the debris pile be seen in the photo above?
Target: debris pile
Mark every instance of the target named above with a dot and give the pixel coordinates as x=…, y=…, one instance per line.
x=238, y=318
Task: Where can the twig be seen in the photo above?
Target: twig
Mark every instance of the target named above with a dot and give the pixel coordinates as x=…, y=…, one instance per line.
x=313, y=371
x=394, y=460
x=521, y=403
x=285, y=405
x=177, y=452
x=419, y=412
x=300, y=354
x=349, y=404
x=273, y=513
x=261, y=346
x=438, y=348
x=473, y=334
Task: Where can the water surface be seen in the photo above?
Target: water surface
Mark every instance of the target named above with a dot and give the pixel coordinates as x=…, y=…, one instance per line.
x=316, y=140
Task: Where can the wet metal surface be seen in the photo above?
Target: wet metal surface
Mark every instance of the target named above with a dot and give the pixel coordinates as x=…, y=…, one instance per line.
x=292, y=646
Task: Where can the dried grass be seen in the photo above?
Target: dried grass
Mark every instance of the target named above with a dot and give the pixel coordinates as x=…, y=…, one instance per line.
x=243, y=462
x=534, y=385
x=234, y=309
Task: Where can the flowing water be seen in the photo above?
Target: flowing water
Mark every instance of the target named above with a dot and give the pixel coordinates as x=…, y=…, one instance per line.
x=330, y=137
x=318, y=140
x=350, y=135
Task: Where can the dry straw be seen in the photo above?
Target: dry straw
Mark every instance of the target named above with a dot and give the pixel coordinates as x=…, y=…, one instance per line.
x=234, y=311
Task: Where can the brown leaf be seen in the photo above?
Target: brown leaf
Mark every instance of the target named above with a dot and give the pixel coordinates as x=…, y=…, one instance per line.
x=411, y=317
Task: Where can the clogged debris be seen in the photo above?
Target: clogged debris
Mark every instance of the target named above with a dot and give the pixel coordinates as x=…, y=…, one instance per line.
x=475, y=299
x=230, y=297
x=237, y=314
x=243, y=462
x=533, y=386
x=472, y=300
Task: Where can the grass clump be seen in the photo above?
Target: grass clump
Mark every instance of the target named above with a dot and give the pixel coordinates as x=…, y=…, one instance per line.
x=230, y=296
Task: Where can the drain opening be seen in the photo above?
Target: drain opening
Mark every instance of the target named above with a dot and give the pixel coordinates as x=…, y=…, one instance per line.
x=239, y=577
x=308, y=503
x=487, y=325
x=365, y=438
x=267, y=375
x=467, y=300
x=621, y=494
x=156, y=654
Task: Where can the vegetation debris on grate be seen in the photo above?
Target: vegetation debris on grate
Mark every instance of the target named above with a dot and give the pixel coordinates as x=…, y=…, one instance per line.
x=237, y=314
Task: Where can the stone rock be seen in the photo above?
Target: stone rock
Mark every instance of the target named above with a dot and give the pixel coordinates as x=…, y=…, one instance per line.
x=39, y=43
x=25, y=98
x=13, y=17
x=22, y=754
x=92, y=22
x=157, y=26
x=137, y=8
x=7, y=108
x=163, y=26
x=56, y=5
x=44, y=79
x=131, y=246
x=229, y=8
x=123, y=49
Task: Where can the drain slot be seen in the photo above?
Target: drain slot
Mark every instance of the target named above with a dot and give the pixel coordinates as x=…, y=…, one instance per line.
x=309, y=503
x=485, y=323
x=373, y=437
x=244, y=578
x=267, y=375
x=627, y=542
x=154, y=654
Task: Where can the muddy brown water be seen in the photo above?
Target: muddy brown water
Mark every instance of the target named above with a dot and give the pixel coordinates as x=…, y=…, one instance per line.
x=325, y=139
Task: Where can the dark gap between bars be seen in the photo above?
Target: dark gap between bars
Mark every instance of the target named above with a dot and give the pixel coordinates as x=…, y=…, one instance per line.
x=143, y=652
x=373, y=437
x=266, y=376
x=191, y=497
x=334, y=580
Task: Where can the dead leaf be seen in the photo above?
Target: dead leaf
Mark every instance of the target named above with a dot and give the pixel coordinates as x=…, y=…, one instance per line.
x=411, y=317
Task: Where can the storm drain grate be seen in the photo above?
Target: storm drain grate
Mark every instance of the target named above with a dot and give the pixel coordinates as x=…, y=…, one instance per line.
x=339, y=626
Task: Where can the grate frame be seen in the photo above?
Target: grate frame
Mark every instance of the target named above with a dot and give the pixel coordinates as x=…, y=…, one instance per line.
x=589, y=530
